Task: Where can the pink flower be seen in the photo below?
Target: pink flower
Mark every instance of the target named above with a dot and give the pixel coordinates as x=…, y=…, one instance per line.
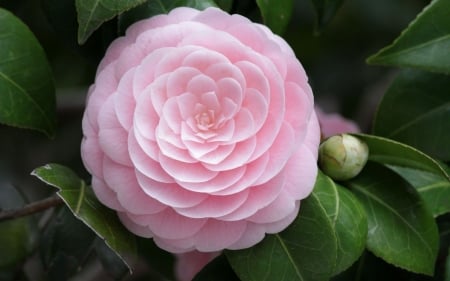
x=200, y=131
x=332, y=124
x=189, y=264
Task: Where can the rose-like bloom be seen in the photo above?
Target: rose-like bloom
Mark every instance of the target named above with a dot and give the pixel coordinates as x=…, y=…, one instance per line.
x=332, y=124
x=200, y=131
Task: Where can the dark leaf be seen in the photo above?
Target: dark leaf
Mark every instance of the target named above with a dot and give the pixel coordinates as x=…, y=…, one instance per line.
x=423, y=121
x=85, y=206
x=402, y=231
x=276, y=13
x=424, y=44
x=27, y=94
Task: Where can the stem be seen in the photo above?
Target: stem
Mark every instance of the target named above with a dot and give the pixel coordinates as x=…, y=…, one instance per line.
x=31, y=208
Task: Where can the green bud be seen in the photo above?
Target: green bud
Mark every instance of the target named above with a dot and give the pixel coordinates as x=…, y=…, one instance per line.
x=343, y=156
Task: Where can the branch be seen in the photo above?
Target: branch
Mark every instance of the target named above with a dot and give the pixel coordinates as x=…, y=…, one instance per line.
x=31, y=208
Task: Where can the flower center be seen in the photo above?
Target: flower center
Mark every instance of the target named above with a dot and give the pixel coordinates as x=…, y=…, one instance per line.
x=205, y=120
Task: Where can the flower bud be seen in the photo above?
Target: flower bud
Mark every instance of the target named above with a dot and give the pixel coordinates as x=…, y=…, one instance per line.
x=343, y=156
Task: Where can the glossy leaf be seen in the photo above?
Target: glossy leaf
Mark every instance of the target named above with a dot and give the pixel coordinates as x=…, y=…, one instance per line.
x=424, y=44
x=111, y=263
x=434, y=189
x=27, y=94
x=276, y=13
x=85, y=206
x=402, y=231
x=61, y=259
x=156, y=7
x=424, y=118
x=306, y=250
x=16, y=239
x=345, y=213
x=325, y=11
x=387, y=151
x=93, y=13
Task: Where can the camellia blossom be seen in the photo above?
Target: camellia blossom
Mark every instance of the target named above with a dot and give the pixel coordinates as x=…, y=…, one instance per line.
x=332, y=124
x=200, y=131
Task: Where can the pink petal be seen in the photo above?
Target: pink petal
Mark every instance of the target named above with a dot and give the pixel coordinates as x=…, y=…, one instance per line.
x=244, y=125
x=266, y=135
x=105, y=85
x=178, y=80
x=253, y=171
x=123, y=181
x=186, y=172
x=137, y=229
x=105, y=195
x=203, y=58
x=170, y=194
x=280, y=225
x=255, y=78
x=254, y=233
x=218, y=19
x=215, y=206
x=130, y=57
x=124, y=102
x=240, y=155
x=187, y=265
x=216, y=235
x=145, y=164
x=169, y=224
x=145, y=118
x=222, y=71
x=257, y=106
x=280, y=208
x=171, y=116
x=298, y=110
x=259, y=197
x=279, y=153
x=114, y=143
x=222, y=181
x=301, y=172
x=92, y=156
x=217, y=155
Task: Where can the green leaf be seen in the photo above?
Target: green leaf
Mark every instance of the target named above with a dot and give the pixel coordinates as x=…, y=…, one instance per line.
x=424, y=44
x=402, y=231
x=16, y=239
x=276, y=13
x=111, y=263
x=423, y=120
x=345, y=213
x=61, y=259
x=93, y=13
x=85, y=206
x=156, y=7
x=325, y=11
x=306, y=250
x=27, y=94
x=434, y=189
x=387, y=151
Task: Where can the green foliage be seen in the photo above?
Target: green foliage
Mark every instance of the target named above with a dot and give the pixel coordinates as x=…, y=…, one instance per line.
x=344, y=212
x=402, y=231
x=276, y=13
x=65, y=245
x=16, y=236
x=27, y=95
x=325, y=10
x=82, y=202
x=93, y=13
x=425, y=102
x=424, y=44
x=306, y=250
x=434, y=189
x=390, y=152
